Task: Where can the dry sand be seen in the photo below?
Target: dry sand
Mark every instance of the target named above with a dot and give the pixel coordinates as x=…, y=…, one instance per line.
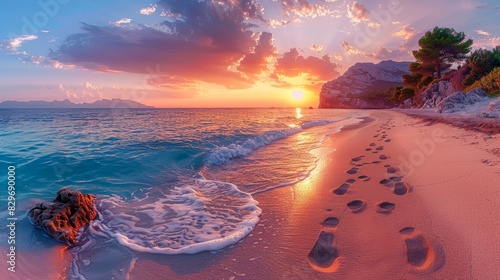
x=392, y=199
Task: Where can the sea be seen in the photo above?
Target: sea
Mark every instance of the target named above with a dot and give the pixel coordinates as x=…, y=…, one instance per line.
x=166, y=181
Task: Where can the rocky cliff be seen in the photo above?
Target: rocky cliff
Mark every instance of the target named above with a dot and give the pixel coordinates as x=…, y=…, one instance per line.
x=350, y=90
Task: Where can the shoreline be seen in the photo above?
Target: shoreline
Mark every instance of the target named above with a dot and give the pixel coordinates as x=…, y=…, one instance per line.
x=371, y=240
x=391, y=197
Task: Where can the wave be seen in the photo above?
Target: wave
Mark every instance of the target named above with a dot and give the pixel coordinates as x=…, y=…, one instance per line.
x=223, y=154
x=187, y=218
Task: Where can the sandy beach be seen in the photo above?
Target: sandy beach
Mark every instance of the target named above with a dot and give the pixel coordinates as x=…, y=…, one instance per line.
x=393, y=198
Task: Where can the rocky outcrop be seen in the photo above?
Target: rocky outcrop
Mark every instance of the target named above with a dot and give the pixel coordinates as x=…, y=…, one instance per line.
x=348, y=90
x=65, y=215
x=435, y=93
x=494, y=105
x=457, y=77
x=460, y=100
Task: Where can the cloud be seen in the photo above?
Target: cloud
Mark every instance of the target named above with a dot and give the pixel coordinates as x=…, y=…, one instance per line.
x=44, y=61
x=490, y=42
x=148, y=11
x=405, y=32
x=15, y=44
x=315, y=70
x=482, y=32
x=83, y=93
x=276, y=23
x=381, y=53
x=206, y=41
x=468, y=5
x=303, y=9
x=91, y=86
x=255, y=63
x=358, y=12
x=122, y=21
x=317, y=48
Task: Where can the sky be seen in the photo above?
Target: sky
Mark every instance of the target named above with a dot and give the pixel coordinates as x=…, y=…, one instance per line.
x=214, y=53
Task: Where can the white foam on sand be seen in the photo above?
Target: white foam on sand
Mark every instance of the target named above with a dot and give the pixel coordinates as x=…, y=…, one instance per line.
x=188, y=218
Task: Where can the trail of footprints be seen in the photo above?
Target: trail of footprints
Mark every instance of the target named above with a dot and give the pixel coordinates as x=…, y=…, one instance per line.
x=420, y=254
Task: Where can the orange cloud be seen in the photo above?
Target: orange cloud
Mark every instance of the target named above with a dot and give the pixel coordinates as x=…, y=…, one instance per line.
x=406, y=33
x=302, y=8
x=358, y=12
x=317, y=48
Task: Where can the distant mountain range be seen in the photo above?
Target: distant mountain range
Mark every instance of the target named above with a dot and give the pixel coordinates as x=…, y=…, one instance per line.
x=66, y=104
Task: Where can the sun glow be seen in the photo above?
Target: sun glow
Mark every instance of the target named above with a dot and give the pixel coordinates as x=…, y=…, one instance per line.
x=298, y=95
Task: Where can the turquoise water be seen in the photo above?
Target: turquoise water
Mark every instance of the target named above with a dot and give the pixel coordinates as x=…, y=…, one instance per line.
x=167, y=181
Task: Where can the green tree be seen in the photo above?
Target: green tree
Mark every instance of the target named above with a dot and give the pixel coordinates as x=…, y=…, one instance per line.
x=419, y=68
x=481, y=62
x=440, y=47
x=400, y=94
x=412, y=80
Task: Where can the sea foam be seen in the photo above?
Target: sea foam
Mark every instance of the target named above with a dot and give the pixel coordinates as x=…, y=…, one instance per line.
x=223, y=154
x=187, y=218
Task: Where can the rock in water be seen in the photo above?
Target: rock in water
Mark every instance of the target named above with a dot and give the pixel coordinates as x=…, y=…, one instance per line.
x=65, y=215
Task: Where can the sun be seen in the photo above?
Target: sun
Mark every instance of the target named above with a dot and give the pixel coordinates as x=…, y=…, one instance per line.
x=298, y=95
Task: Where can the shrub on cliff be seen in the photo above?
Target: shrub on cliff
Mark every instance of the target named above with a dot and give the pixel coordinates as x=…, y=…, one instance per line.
x=400, y=94
x=481, y=62
x=490, y=82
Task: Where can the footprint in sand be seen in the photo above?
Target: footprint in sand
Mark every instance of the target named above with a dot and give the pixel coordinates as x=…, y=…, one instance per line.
x=401, y=188
x=385, y=207
x=391, y=169
x=368, y=149
x=324, y=255
x=396, y=178
x=342, y=189
x=376, y=162
x=385, y=182
x=383, y=157
x=372, y=144
x=387, y=140
x=375, y=136
x=380, y=148
x=353, y=170
x=419, y=253
x=356, y=159
x=350, y=181
x=357, y=206
x=364, y=178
